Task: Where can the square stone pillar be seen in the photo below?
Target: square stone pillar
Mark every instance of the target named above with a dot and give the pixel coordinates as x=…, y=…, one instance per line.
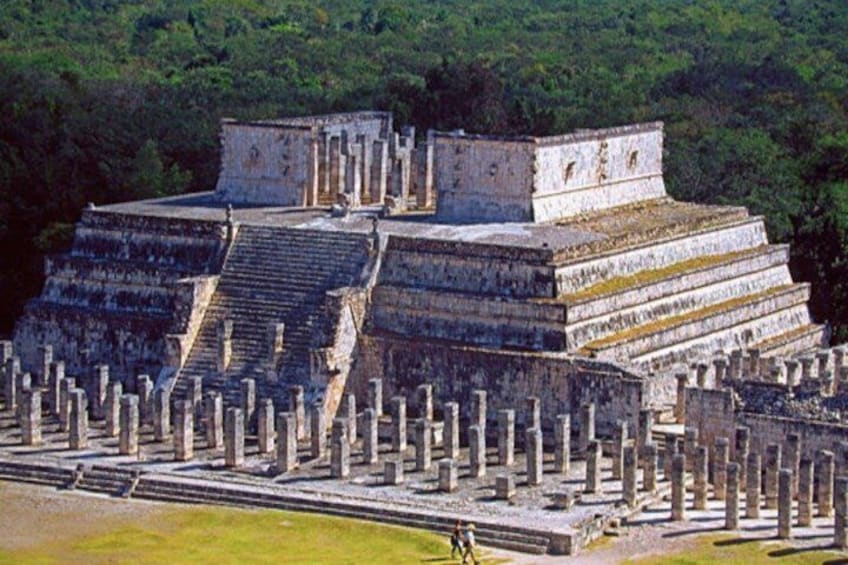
x=423, y=451
x=701, y=370
x=286, y=442
x=504, y=487
x=339, y=450
x=593, y=467
x=587, y=426
x=743, y=447
x=840, y=524
x=113, y=409
x=45, y=358
x=31, y=418
x=678, y=488
x=379, y=171
x=318, y=426
x=562, y=444
x=619, y=442
x=646, y=424
x=398, y=404
x=792, y=459
x=265, y=426
x=22, y=386
x=752, y=485
x=213, y=415
x=721, y=457
x=234, y=437
x=370, y=438
x=297, y=407
x=680, y=404
x=54, y=382
x=11, y=369
x=506, y=437
x=128, y=442
x=65, y=387
x=533, y=418
x=248, y=403
x=700, y=468
x=78, y=420
x=690, y=435
x=805, y=492
x=375, y=396
x=194, y=394
x=183, y=430
x=224, y=336
x=670, y=451
x=791, y=373
x=349, y=412
x=161, y=414
x=731, y=506
x=275, y=339
x=98, y=391
x=720, y=367
x=533, y=445
x=448, y=475
x=353, y=174
x=144, y=389
x=393, y=472
x=825, y=473
x=649, y=467
x=451, y=431
x=338, y=166
x=735, y=368
x=772, y=465
x=628, y=481
x=477, y=451
x=478, y=409
x=784, y=504
x=424, y=401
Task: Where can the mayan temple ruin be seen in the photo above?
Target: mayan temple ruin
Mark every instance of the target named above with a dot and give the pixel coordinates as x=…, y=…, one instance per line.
x=545, y=284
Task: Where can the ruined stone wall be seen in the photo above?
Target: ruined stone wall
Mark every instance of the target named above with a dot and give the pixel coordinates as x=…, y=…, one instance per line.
x=563, y=383
x=712, y=412
x=266, y=163
x=483, y=179
x=594, y=170
x=767, y=429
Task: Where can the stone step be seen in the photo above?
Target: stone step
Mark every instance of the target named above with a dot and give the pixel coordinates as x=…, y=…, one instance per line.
x=694, y=298
x=583, y=272
x=108, y=270
x=639, y=343
x=797, y=340
x=101, y=295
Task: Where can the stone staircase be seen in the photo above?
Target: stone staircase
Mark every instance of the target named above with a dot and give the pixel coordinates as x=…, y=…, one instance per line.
x=273, y=275
x=111, y=299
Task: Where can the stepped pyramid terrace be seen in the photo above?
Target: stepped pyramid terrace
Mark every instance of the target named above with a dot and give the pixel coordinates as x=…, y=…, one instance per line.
x=548, y=283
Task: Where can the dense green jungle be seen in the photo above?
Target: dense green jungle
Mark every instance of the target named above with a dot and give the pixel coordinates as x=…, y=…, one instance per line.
x=113, y=100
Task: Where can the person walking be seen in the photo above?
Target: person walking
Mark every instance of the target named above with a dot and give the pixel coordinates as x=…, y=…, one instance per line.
x=470, y=543
x=456, y=539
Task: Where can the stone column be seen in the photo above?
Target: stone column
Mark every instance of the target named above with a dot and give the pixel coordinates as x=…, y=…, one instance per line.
x=628, y=481
x=743, y=446
x=375, y=395
x=643, y=438
x=752, y=486
x=275, y=341
x=823, y=359
x=478, y=409
x=424, y=401
x=791, y=373
x=144, y=389
x=668, y=456
x=78, y=430
x=772, y=464
x=65, y=388
x=112, y=409
x=184, y=430
x=393, y=472
x=649, y=465
x=128, y=443
x=699, y=471
x=690, y=442
x=784, y=504
x=265, y=426
x=735, y=367
x=398, y=405
x=423, y=452
x=24, y=384
x=562, y=444
x=349, y=412
x=533, y=445
x=234, y=437
x=54, y=382
x=534, y=413
x=824, y=470
x=593, y=467
x=720, y=365
x=248, y=403
x=370, y=451
x=339, y=450
x=451, y=431
x=841, y=459
x=731, y=505
x=31, y=418
x=98, y=391
x=286, y=442
x=721, y=457
x=840, y=525
x=45, y=358
x=805, y=492
x=194, y=394
x=587, y=426
x=506, y=437
x=214, y=415
x=318, y=426
x=224, y=335
x=792, y=459
x=838, y=363
x=161, y=414
x=754, y=359
x=680, y=404
x=477, y=451
x=297, y=407
x=504, y=487
x=678, y=488
x=10, y=381
x=806, y=367
x=701, y=374
x=379, y=171
x=448, y=475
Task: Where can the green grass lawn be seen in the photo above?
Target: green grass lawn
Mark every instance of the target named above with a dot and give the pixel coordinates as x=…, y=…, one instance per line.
x=225, y=535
